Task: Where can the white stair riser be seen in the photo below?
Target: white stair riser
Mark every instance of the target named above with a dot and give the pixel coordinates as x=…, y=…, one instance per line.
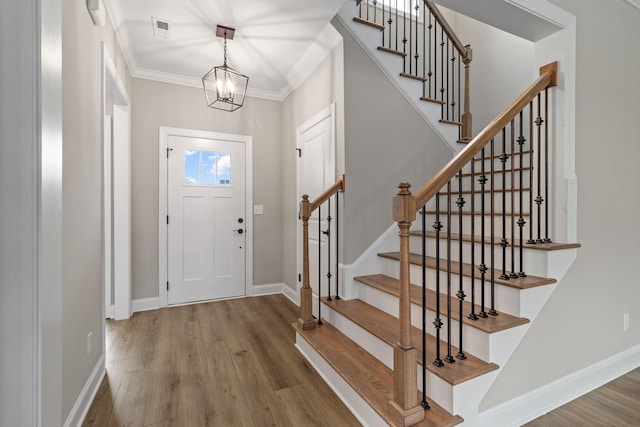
x=477, y=220
x=475, y=342
x=507, y=299
x=440, y=391
x=534, y=261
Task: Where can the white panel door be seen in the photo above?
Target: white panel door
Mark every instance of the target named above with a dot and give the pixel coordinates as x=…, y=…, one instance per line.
x=316, y=172
x=206, y=224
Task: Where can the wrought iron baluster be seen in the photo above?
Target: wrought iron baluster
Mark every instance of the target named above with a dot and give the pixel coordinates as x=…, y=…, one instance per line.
x=437, y=323
x=383, y=21
x=472, y=314
x=531, y=161
x=546, y=167
x=539, y=200
x=459, y=91
x=483, y=265
x=417, y=55
x=319, y=265
x=492, y=310
x=513, y=273
x=448, y=358
x=448, y=90
x=424, y=403
x=424, y=46
x=460, y=294
x=397, y=25
x=521, y=221
x=338, y=242
x=404, y=38
x=328, y=234
x=442, y=61
x=504, y=242
x=375, y=11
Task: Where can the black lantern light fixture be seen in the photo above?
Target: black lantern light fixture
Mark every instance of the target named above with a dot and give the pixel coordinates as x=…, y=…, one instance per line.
x=224, y=87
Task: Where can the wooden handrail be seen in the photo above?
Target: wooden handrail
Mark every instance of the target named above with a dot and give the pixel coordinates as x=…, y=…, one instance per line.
x=427, y=191
x=306, y=320
x=460, y=47
x=337, y=186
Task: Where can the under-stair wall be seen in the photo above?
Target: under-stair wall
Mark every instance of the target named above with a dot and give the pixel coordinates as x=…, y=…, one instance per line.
x=385, y=145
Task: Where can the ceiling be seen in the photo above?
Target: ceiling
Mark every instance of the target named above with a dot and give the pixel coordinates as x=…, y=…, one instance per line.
x=272, y=43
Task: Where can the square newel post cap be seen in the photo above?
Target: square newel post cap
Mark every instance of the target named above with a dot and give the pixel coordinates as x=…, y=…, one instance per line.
x=404, y=204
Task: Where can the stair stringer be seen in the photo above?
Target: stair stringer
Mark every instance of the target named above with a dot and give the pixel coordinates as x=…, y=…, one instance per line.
x=391, y=65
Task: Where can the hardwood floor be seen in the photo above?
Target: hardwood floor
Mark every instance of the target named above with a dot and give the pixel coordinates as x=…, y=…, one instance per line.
x=614, y=404
x=224, y=363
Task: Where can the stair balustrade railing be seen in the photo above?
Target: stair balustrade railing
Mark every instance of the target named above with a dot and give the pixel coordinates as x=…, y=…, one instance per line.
x=307, y=209
x=512, y=155
x=433, y=54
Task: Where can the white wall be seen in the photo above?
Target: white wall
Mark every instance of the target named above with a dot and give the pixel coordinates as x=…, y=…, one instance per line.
x=156, y=104
x=82, y=183
x=582, y=323
x=322, y=88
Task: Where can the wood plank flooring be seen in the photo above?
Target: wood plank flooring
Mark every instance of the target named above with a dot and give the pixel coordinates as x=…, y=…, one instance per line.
x=223, y=363
x=615, y=404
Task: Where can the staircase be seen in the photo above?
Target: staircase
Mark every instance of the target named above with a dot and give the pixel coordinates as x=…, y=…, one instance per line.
x=432, y=323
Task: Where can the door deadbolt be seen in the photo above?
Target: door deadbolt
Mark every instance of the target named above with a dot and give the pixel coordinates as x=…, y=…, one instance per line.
x=240, y=220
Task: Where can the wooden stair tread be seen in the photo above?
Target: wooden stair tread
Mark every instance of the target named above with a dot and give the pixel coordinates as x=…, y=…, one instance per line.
x=368, y=23
x=386, y=327
x=478, y=213
x=391, y=51
x=450, y=122
x=435, y=101
x=369, y=377
x=489, y=324
x=469, y=238
x=519, y=282
x=414, y=77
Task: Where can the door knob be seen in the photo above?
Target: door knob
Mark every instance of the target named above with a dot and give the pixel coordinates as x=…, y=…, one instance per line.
x=240, y=231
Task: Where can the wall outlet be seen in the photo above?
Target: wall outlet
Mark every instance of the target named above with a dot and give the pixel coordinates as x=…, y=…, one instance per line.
x=258, y=209
x=626, y=321
x=89, y=343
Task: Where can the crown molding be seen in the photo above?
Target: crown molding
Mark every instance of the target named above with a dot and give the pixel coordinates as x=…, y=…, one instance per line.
x=309, y=61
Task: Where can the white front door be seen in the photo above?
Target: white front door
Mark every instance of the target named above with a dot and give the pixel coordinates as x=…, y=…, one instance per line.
x=317, y=172
x=206, y=224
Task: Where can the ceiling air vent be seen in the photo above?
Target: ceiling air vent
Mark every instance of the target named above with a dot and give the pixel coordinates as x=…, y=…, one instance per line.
x=162, y=28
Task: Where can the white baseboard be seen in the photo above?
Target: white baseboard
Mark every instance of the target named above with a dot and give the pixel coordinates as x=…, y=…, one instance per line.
x=145, y=304
x=268, y=289
x=83, y=403
x=292, y=294
x=536, y=403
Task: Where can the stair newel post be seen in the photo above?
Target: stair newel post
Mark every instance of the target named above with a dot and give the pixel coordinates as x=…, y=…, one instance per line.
x=405, y=356
x=306, y=315
x=466, y=116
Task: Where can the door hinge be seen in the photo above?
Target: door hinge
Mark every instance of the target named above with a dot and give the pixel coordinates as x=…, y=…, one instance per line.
x=299, y=277
x=299, y=150
x=168, y=150
x=167, y=285
x=167, y=219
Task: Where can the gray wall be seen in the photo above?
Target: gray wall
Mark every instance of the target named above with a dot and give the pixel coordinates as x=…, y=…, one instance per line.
x=82, y=181
x=322, y=88
x=496, y=79
x=386, y=141
x=156, y=104
x=582, y=322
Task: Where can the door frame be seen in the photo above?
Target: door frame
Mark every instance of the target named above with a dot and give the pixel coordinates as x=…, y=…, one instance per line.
x=329, y=111
x=163, y=200
x=114, y=92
